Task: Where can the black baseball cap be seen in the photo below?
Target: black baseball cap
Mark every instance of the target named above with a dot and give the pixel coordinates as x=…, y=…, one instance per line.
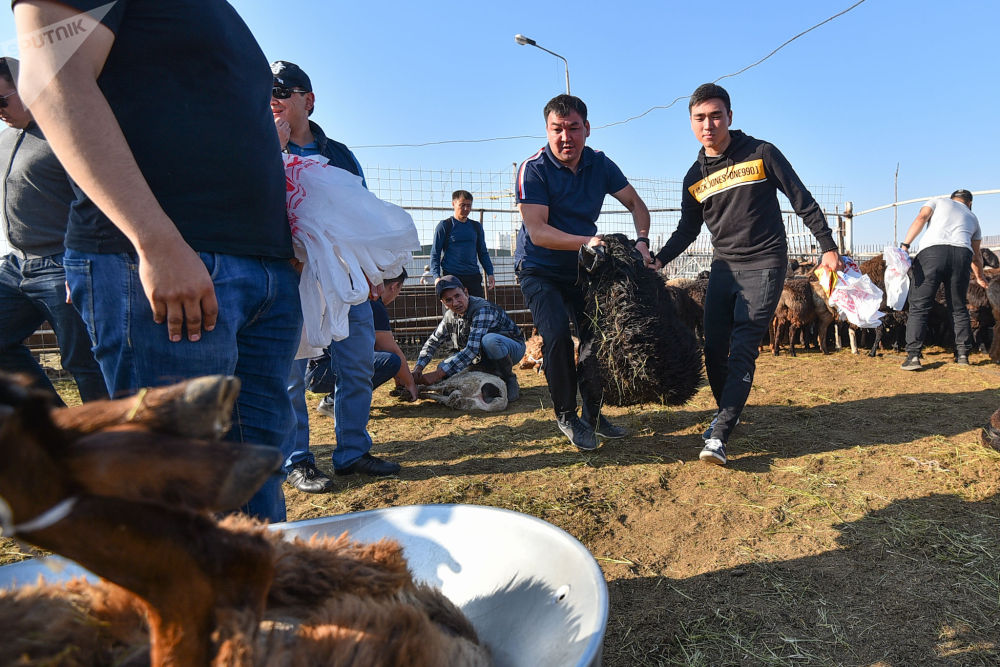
x=290, y=75
x=446, y=283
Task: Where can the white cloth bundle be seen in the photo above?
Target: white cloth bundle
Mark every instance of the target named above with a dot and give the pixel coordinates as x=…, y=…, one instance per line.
x=346, y=237
x=856, y=298
x=897, y=280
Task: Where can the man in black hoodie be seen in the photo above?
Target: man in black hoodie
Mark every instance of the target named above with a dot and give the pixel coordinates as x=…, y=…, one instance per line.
x=732, y=187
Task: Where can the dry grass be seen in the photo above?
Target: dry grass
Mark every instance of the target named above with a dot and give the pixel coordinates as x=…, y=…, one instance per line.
x=858, y=522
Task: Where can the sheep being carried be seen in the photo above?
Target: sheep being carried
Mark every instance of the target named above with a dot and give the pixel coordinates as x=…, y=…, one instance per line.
x=642, y=352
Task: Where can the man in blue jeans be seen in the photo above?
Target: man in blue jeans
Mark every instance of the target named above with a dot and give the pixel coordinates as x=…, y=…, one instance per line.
x=320, y=377
x=178, y=246
x=36, y=199
x=477, y=328
x=352, y=359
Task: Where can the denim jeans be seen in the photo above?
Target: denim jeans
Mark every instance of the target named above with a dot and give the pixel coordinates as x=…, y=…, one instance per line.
x=295, y=445
x=932, y=267
x=554, y=304
x=255, y=339
x=498, y=346
x=739, y=307
x=33, y=291
x=321, y=379
x=352, y=362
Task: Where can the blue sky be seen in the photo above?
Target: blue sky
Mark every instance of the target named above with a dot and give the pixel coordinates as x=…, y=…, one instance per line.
x=913, y=82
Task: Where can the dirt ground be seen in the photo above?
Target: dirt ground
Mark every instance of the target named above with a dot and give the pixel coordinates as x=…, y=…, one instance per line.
x=857, y=523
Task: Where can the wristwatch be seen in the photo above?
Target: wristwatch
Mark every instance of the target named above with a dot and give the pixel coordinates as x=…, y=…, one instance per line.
x=643, y=239
x=904, y=245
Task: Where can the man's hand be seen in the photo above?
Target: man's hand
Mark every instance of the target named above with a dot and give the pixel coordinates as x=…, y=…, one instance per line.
x=831, y=261
x=284, y=131
x=982, y=283
x=491, y=282
x=413, y=392
x=656, y=265
x=429, y=378
x=595, y=241
x=179, y=289
x=643, y=249
x=375, y=291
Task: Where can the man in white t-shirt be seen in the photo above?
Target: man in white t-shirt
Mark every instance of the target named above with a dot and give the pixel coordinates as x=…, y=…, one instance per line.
x=950, y=244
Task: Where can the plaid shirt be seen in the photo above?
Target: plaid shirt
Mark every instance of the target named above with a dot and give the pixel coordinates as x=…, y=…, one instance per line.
x=466, y=333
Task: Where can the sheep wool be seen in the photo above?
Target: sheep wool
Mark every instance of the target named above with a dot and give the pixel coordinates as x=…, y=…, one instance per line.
x=642, y=352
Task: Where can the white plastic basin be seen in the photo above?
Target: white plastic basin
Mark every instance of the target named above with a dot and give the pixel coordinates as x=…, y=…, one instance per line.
x=535, y=595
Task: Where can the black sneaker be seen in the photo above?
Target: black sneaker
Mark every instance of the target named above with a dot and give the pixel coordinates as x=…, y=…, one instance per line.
x=578, y=431
x=912, y=363
x=370, y=465
x=606, y=429
x=306, y=477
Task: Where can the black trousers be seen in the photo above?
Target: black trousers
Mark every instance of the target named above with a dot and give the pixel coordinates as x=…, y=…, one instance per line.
x=931, y=267
x=554, y=304
x=739, y=307
x=473, y=283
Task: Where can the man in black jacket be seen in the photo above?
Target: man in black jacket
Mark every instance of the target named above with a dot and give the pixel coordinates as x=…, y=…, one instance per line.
x=732, y=187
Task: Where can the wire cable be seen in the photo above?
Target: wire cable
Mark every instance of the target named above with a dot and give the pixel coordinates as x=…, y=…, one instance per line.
x=630, y=119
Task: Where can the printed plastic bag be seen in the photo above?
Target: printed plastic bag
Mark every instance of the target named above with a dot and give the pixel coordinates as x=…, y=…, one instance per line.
x=346, y=237
x=897, y=280
x=855, y=297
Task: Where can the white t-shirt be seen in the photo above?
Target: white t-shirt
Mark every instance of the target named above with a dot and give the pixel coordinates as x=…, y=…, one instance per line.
x=952, y=223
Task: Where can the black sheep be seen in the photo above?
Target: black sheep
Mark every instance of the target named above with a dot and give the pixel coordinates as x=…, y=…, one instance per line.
x=641, y=350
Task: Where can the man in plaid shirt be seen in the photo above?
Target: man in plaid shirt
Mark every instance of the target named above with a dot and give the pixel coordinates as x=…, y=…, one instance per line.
x=477, y=328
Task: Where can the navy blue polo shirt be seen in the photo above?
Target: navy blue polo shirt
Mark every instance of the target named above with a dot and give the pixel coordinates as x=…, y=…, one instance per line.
x=574, y=202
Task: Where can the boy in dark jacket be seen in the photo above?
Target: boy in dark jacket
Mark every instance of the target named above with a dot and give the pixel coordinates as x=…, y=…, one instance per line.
x=732, y=187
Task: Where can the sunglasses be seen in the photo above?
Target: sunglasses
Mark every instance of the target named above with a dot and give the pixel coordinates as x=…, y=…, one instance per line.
x=282, y=93
x=3, y=99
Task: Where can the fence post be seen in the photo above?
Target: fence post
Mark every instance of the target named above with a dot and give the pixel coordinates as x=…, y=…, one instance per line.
x=849, y=227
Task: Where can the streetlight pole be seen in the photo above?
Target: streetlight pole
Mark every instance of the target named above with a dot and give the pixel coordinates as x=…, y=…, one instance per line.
x=527, y=41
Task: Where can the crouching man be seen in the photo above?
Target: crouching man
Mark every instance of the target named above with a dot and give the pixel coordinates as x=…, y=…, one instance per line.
x=478, y=328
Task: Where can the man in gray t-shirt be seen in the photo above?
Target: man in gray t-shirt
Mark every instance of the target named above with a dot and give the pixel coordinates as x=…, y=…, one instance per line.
x=35, y=206
x=948, y=248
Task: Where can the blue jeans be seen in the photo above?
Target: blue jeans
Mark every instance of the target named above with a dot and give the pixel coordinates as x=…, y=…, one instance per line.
x=33, y=291
x=498, y=346
x=321, y=378
x=352, y=361
x=254, y=339
x=295, y=445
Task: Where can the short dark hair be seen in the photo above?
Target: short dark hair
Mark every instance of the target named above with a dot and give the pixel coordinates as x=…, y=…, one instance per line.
x=563, y=105
x=5, y=72
x=708, y=91
x=401, y=278
x=461, y=194
x=964, y=195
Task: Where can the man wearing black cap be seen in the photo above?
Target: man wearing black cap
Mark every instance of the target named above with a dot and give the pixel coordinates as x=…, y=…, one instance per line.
x=478, y=328
x=351, y=359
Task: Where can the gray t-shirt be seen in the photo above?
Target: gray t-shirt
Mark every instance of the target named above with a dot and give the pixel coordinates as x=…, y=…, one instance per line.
x=36, y=193
x=952, y=223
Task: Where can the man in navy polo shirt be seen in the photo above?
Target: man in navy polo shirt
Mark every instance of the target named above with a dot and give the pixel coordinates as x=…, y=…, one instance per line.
x=560, y=191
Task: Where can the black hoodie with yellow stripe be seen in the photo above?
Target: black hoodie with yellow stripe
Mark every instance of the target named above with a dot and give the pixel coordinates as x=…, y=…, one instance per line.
x=735, y=194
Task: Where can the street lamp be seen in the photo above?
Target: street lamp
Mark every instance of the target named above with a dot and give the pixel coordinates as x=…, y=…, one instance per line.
x=527, y=41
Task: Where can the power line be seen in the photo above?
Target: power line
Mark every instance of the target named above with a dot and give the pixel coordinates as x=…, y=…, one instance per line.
x=627, y=120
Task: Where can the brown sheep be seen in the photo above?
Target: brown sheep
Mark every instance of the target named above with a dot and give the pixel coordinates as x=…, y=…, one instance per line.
x=801, y=304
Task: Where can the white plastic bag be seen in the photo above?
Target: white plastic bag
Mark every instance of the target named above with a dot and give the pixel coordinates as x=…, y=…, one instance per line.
x=855, y=296
x=346, y=237
x=897, y=281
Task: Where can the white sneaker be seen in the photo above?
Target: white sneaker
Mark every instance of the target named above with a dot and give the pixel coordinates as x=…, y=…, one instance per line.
x=714, y=452
x=325, y=407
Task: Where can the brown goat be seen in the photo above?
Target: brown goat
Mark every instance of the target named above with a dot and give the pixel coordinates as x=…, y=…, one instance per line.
x=201, y=586
x=178, y=562
x=801, y=303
